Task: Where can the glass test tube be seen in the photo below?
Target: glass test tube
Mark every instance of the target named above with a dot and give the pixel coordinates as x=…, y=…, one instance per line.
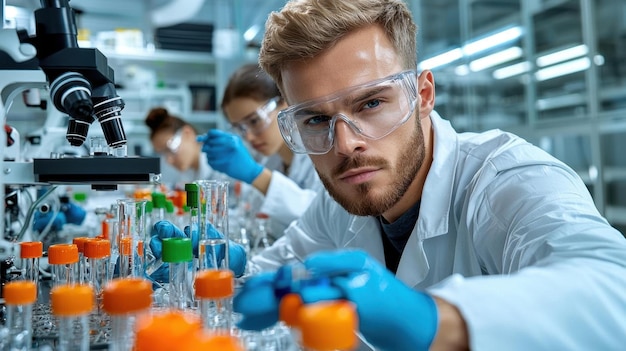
x=71, y=305
x=82, y=262
x=153, y=263
x=110, y=232
x=261, y=227
x=30, y=253
x=195, y=217
x=124, y=300
x=214, y=290
x=19, y=297
x=213, y=247
x=177, y=252
x=132, y=231
x=63, y=258
x=97, y=254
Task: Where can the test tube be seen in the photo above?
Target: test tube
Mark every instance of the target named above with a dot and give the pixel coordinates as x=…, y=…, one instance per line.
x=83, y=269
x=30, y=253
x=97, y=256
x=214, y=290
x=19, y=297
x=195, y=216
x=71, y=305
x=124, y=300
x=132, y=231
x=97, y=253
x=63, y=258
x=177, y=252
x=328, y=325
x=213, y=248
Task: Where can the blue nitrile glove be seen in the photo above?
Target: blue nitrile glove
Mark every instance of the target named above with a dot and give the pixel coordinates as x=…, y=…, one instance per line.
x=227, y=153
x=257, y=302
x=392, y=316
x=165, y=229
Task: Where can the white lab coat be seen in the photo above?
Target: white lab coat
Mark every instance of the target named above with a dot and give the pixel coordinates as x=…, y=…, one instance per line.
x=506, y=233
x=288, y=196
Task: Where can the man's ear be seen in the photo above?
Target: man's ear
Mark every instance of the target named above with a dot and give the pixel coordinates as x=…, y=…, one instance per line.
x=426, y=93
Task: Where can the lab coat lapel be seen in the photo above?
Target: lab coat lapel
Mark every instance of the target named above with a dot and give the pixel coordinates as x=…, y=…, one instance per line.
x=413, y=267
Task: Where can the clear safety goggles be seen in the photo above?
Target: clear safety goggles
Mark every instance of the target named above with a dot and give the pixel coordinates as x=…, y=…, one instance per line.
x=173, y=143
x=259, y=120
x=373, y=110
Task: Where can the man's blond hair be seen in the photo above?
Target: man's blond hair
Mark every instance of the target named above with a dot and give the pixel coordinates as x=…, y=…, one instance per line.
x=303, y=29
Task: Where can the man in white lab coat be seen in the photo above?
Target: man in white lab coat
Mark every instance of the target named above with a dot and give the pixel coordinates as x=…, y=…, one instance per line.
x=495, y=244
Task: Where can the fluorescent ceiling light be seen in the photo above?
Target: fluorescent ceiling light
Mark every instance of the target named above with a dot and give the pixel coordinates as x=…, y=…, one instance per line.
x=562, y=69
x=462, y=70
x=563, y=55
x=512, y=70
x=251, y=32
x=499, y=57
x=441, y=59
x=491, y=41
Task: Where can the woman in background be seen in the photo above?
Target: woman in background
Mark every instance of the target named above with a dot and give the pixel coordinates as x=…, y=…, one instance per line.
x=175, y=140
x=288, y=181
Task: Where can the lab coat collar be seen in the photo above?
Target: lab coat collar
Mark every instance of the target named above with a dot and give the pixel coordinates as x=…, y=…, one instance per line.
x=437, y=193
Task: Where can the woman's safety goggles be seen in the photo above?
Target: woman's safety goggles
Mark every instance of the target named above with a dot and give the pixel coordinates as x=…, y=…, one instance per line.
x=375, y=108
x=259, y=120
x=173, y=144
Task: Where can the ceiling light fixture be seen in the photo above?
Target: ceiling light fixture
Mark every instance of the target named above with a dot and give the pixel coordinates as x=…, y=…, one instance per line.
x=562, y=69
x=495, y=59
x=512, y=70
x=562, y=55
x=492, y=41
x=441, y=59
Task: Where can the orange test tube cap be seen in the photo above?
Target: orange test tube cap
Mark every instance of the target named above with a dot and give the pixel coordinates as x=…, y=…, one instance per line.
x=31, y=249
x=126, y=295
x=62, y=254
x=72, y=300
x=97, y=248
x=214, y=284
x=80, y=243
x=20, y=292
x=329, y=325
x=165, y=331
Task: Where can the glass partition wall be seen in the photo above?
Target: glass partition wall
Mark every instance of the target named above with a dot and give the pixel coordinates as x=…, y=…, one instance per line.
x=551, y=71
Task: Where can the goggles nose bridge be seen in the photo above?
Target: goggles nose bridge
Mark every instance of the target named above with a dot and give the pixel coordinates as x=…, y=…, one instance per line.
x=352, y=124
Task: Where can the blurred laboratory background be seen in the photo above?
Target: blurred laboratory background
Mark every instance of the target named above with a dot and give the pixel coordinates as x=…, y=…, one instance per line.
x=552, y=71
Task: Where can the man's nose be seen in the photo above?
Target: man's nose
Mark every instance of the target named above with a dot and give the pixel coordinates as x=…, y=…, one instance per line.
x=346, y=139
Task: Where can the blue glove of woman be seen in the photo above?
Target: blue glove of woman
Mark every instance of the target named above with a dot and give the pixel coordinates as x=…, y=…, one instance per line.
x=165, y=229
x=227, y=153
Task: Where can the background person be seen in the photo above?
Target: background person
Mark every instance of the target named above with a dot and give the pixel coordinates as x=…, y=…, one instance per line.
x=443, y=240
x=175, y=140
x=287, y=181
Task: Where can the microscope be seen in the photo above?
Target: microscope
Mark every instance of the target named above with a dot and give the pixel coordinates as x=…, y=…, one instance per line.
x=80, y=84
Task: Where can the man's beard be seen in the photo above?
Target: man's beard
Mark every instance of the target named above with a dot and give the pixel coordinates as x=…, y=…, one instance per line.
x=366, y=202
